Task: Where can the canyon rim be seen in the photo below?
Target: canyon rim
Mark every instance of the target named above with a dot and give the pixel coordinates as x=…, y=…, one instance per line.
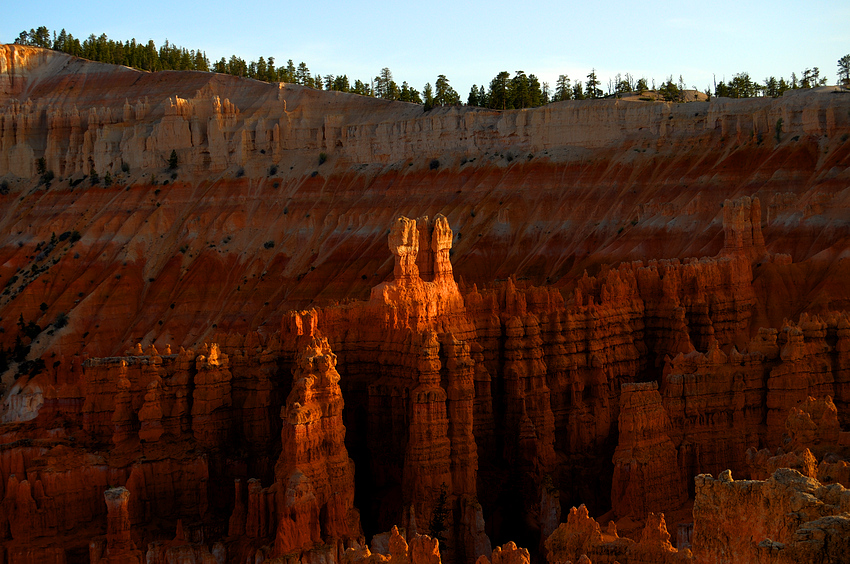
x=336, y=328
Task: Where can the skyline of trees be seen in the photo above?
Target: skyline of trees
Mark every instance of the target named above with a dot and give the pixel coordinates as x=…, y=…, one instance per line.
x=844, y=70
x=504, y=92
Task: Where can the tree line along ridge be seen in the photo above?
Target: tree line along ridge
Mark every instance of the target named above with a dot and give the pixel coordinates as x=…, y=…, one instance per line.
x=503, y=92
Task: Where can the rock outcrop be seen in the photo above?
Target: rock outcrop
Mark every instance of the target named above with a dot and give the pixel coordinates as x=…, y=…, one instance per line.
x=580, y=539
x=314, y=476
x=646, y=470
x=787, y=518
x=119, y=542
x=231, y=133
x=212, y=398
x=542, y=337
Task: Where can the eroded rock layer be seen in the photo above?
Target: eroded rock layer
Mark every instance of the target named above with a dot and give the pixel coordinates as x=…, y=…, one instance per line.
x=806, y=521
x=229, y=355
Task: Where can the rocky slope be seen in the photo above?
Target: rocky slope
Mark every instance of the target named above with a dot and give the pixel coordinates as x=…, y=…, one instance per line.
x=538, y=338
x=540, y=194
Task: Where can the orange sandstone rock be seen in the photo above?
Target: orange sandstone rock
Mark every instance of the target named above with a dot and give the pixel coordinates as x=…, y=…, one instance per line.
x=581, y=540
x=646, y=472
x=212, y=399
x=453, y=380
x=119, y=544
x=805, y=521
x=150, y=415
x=314, y=476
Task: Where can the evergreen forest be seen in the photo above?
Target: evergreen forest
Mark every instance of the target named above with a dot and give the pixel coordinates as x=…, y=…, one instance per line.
x=503, y=92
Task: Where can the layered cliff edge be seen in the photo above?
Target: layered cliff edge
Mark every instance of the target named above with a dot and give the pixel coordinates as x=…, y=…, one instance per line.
x=538, y=337
x=538, y=194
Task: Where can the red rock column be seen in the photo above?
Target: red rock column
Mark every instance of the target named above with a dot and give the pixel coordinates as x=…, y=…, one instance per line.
x=119, y=543
x=425, y=259
x=179, y=419
x=236, y=524
x=150, y=415
x=529, y=409
x=842, y=372
x=314, y=475
x=742, y=227
x=404, y=244
x=118, y=519
x=212, y=401
x=100, y=394
x=427, y=461
x=460, y=392
x=646, y=472
x=537, y=394
x=473, y=541
x=441, y=244
x=257, y=524
x=253, y=389
x=123, y=418
x=482, y=420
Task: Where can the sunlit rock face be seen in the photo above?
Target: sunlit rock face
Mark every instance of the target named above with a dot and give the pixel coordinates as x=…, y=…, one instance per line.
x=807, y=522
x=339, y=315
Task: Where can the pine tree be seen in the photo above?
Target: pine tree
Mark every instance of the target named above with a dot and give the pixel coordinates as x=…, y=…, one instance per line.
x=562, y=88
x=271, y=73
x=669, y=91
x=498, y=96
x=592, y=86
x=472, y=99
x=40, y=37
x=287, y=74
x=518, y=94
x=535, y=93
x=61, y=41
x=578, y=92
x=409, y=94
x=444, y=94
x=428, y=95
x=302, y=75
x=844, y=70
x=742, y=86
x=771, y=87
x=385, y=86
x=811, y=78
x=361, y=88
x=341, y=84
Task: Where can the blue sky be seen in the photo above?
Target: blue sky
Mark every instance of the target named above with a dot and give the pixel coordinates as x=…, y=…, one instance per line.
x=470, y=42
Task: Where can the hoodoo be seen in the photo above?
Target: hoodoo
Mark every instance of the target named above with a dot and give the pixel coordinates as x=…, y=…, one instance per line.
x=341, y=329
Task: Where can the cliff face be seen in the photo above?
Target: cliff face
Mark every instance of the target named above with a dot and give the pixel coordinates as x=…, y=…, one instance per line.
x=804, y=521
x=536, y=335
x=314, y=476
x=646, y=473
x=540, y=194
